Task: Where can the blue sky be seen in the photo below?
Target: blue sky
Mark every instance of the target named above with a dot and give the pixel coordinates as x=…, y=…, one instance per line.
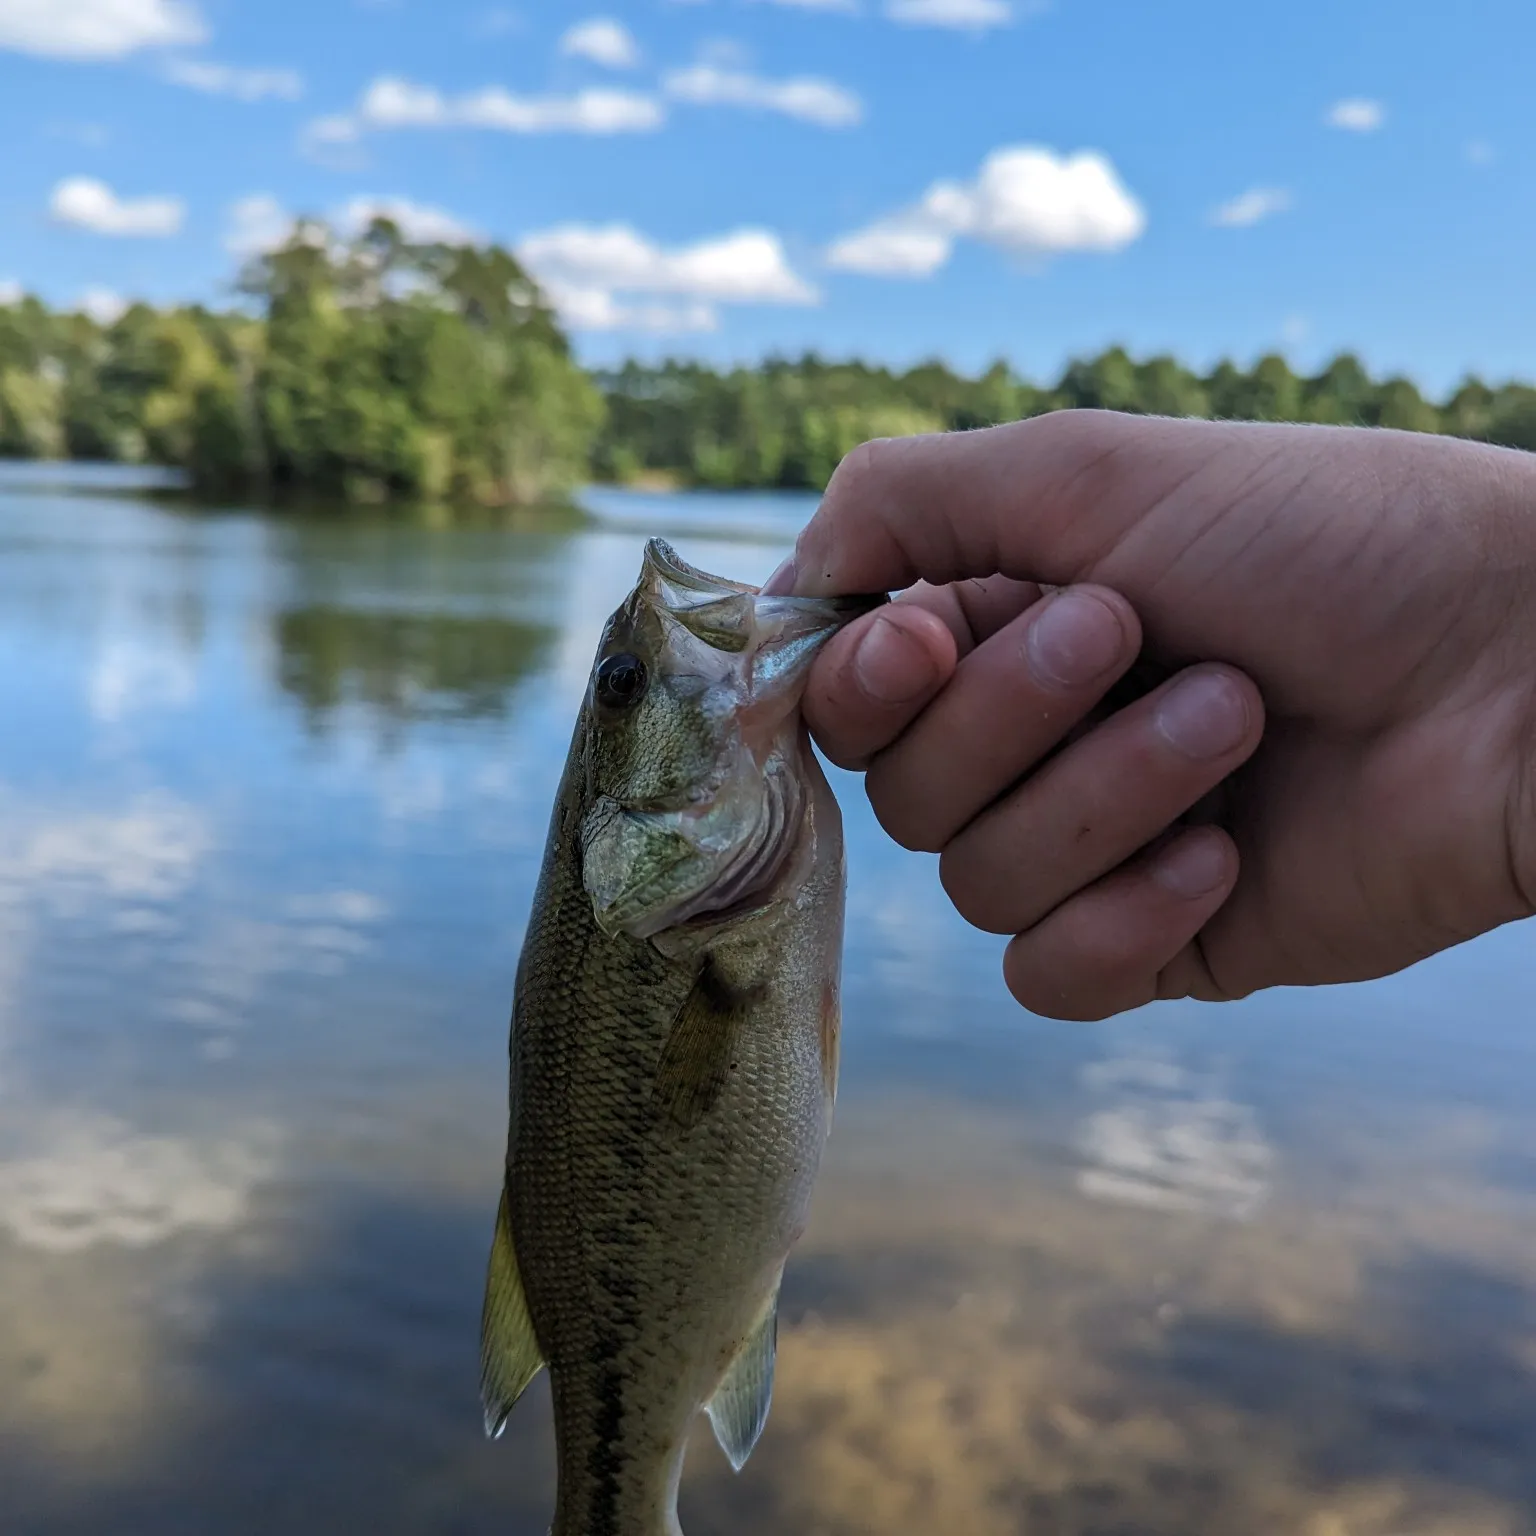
x=892, y=178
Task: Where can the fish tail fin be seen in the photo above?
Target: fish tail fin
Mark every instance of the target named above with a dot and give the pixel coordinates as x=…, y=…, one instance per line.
x=509, y=1353
x=739, y=1409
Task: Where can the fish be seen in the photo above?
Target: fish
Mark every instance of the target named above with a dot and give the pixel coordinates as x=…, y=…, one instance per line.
x=674, y=1045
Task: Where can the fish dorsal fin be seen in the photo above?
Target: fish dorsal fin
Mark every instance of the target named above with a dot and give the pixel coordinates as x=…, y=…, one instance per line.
x=509, y=1353
x=700, y=1053
x=739, y=1409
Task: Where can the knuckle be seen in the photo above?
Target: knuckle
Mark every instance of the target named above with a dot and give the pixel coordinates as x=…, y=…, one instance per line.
x=1084, y=430
x=1091, y=452
x=856, y=465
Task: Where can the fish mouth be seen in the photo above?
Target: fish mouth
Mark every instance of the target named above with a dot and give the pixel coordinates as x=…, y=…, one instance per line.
x=776, y=637
x=728, y=614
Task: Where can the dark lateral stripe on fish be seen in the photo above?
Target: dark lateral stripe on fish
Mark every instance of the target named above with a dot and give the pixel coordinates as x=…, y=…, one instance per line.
x=605, y=1461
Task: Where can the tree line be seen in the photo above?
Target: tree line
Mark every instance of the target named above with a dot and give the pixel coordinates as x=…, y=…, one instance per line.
x=787, y=423
x=374, y=369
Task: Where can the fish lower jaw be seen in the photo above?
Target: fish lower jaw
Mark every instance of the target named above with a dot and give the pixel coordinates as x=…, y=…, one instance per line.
x=756, y=870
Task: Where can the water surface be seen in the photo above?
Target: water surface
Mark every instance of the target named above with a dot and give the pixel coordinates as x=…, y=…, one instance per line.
x=272, y=796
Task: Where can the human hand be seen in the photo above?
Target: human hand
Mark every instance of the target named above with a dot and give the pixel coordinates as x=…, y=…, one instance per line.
x=1375, y=592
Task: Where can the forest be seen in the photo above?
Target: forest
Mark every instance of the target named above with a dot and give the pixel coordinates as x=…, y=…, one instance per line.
x=375, y=369
x=788, y=423
x=367, y=370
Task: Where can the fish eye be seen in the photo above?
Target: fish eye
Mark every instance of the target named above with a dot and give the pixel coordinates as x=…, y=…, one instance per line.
x=621, y=680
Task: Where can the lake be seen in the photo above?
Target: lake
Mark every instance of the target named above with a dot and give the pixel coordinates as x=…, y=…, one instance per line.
x=273, y=793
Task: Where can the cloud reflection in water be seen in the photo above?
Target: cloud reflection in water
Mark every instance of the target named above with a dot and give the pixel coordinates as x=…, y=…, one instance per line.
x=1168, y=1140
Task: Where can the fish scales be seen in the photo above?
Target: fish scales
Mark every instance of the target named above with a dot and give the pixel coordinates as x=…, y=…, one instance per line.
x=673, y=1064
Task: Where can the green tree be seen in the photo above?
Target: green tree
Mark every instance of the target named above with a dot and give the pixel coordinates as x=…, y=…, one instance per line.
x=393, y=369
x=1341, y=395
x=1513, y=419
x=1399, y=404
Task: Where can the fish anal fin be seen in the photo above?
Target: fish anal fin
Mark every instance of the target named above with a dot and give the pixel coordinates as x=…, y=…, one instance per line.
x=509, y=1353
x=700, y=1053
x=739, y=1409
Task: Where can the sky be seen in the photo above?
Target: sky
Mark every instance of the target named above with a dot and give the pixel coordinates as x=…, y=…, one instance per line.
x=1030, y=180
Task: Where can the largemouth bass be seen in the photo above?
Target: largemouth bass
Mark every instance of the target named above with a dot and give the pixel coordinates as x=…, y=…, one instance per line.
x=674, y=1045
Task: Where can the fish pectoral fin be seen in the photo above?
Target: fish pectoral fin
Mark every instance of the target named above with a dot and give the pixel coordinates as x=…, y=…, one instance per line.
x=739, y=1409
x=700, y=1053
x=509, y=1352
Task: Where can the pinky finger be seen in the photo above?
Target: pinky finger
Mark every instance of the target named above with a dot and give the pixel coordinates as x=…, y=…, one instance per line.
x=1129, y=938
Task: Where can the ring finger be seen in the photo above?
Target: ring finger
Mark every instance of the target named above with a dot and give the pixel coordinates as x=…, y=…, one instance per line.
x=1101, y=799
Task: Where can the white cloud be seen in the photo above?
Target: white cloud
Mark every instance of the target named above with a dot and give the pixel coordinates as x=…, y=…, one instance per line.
x=420, y=223
x=103, y=305
x=601, y=40
x=811, y=100
x=390, y=102
x=746, y=267
x=897, y=247
x=96, y=29
x=1357, y=115
x=1252, y=207
x=587, y=272
x=1480, y=152
x=256, y=224
x=594, y=309
x=323, y=137
x=1295, y=329
x=1027, y=201
x=260, y=223
x=962, y=15
x=89, y=204
x=10, y=291
x=230, y=80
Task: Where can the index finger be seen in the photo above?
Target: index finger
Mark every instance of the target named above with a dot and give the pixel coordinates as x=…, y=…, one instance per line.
x=1040, y=500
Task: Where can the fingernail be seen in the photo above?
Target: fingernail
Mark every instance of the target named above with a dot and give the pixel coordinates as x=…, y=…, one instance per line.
x=892, y=667
x=1074, y=639
x=1203, y=715
x=1194, y=866
x=782, y=582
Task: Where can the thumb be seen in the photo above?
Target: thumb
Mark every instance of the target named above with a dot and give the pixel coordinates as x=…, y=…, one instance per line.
x=1040, y=500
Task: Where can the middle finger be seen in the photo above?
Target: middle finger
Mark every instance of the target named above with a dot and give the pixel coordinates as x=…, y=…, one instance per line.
x=1010, y=701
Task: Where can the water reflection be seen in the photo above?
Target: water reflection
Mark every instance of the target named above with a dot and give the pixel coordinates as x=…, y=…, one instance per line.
x=1166, y=1140
x=1269, y=1268
x=405, y=666
x=76, y=1180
